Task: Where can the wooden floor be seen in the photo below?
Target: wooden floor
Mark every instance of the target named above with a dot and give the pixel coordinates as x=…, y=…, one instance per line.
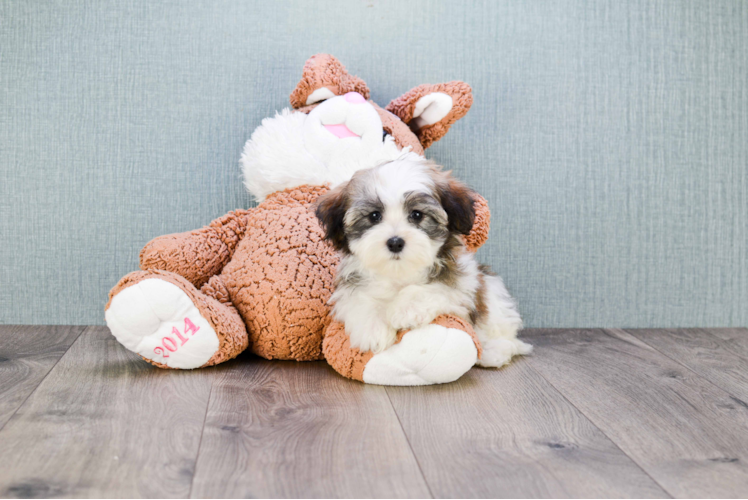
x=592, y=413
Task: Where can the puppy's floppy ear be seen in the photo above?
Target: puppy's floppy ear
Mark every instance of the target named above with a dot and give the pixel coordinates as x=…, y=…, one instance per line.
x=330, y=210
x=324, y=77
x=457, y=200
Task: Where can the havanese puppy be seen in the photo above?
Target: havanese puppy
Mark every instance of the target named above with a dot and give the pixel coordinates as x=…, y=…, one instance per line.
x=398, y=228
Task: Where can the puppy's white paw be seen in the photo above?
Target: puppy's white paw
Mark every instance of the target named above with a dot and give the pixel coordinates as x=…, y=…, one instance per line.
x=375, y=337
x=499, y=352
x=405, y=318
x=410, y=310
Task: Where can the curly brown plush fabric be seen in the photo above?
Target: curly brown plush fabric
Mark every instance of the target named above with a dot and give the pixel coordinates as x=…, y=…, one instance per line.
x=462, y=99
x=344, y=359
x=350, y=362
x=222, y=316
x=479, y=234
x=281, y=276
x=196, y=255
x=216, y=289
x=324, y=70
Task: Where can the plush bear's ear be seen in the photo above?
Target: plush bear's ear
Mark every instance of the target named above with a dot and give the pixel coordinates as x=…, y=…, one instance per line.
x=429, y=110
x=325, y=77
x=479, y=233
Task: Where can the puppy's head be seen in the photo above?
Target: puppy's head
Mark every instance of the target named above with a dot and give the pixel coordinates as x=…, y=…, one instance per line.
x=399, y=219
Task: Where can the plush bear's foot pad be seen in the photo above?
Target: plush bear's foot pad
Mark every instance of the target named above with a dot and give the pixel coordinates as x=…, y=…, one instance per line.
x=499, y=352
x=428, y=355
x=159, y=321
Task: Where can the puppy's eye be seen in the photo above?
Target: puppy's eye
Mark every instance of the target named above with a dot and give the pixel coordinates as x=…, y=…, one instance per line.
x=384, y=135
x=375, y=217
x=416, y=216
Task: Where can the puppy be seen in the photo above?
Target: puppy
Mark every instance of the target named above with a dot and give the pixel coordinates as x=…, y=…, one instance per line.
x=399, y=227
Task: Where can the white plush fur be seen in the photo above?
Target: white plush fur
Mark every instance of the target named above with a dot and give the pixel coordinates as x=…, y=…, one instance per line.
x=380, y=292
x=293, y=148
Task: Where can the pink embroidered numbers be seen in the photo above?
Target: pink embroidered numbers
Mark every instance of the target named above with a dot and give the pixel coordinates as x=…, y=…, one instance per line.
x=170, y=344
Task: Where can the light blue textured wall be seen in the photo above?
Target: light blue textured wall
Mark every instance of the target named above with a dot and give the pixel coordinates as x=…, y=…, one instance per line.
x=610, y=138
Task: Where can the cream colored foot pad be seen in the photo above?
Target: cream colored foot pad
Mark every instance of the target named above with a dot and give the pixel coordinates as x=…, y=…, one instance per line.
x=157, y=320
x=431, y=354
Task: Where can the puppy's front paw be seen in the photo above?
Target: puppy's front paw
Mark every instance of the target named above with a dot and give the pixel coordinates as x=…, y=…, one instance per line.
x=407, y=319
x=417, y=306
x=372, y=337
x=409, y=314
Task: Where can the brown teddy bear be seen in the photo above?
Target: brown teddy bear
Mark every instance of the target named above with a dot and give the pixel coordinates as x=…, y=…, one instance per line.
x=262, y=278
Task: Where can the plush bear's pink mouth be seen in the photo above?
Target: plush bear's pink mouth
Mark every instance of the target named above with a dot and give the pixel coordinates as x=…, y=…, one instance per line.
x=341, y=131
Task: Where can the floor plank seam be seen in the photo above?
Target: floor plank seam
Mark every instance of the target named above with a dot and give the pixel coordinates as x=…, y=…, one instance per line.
x=200, y=443
x=84, y=329
x=407, y=440
x=591, y=421
x=685, y=366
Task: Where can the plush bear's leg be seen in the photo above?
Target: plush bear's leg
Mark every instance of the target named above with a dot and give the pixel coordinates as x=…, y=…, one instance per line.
x=433, y=354
x=164, y=318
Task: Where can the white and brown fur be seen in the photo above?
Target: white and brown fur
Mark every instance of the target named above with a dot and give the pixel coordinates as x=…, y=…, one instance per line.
x=380, y=291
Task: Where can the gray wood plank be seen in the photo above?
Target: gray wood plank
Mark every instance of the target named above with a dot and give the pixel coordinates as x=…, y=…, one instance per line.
x=27, y=354
x=508, y=433
x=720, y=356
x=733, y=339
x=287, y=429
x=688, y=434
x=104, y=423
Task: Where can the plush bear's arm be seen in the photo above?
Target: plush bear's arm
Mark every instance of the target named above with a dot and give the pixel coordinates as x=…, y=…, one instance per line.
x=479, y=234
x=196, y=255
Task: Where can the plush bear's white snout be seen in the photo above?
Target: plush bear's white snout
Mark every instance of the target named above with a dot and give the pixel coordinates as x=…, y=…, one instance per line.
x=343, y=128
x=341, y=135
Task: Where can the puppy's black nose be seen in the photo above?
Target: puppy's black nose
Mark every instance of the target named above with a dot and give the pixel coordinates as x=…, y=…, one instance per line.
x=396, y=244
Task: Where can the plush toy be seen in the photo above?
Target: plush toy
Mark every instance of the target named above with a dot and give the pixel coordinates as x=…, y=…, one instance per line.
x=260, y=279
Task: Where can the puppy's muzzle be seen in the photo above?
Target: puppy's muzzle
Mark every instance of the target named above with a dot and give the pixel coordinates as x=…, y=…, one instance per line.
x=396, y=244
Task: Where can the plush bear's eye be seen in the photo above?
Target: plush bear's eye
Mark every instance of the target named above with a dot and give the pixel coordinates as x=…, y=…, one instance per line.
x=375, y=217
x=416, y=216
